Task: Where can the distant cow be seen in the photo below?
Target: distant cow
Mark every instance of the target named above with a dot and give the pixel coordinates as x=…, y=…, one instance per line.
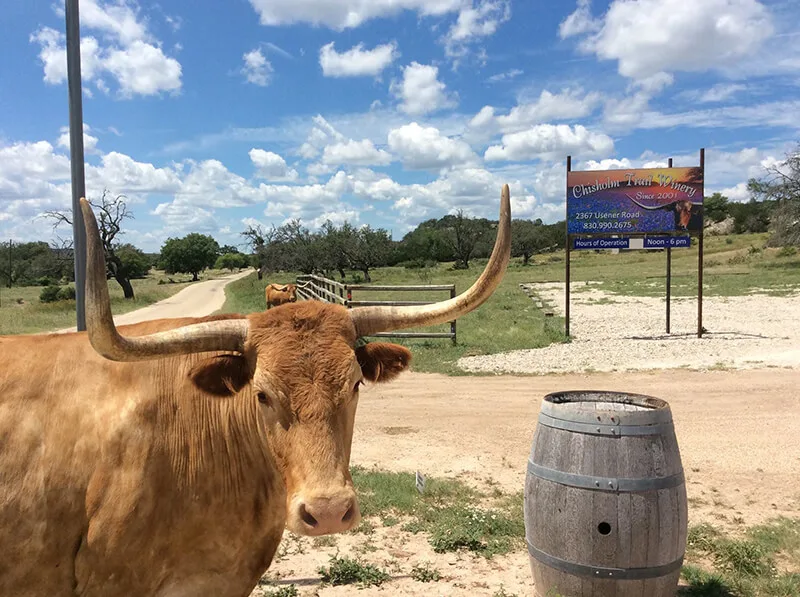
x=278, y=294
x=688, y=215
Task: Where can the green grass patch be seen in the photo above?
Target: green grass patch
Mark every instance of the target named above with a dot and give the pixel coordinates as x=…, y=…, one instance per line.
x=287, y=591
x=453, y=515
x=764, y=562
x=21, y=311
x=425, y=573
x=383, y=493
x=347, y=571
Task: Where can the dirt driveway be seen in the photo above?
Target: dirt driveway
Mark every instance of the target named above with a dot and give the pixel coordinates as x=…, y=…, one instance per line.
x=196, y=300
x=739, y=436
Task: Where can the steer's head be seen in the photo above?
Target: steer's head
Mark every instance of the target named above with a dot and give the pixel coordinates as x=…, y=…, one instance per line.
x=302, y=365
x=683, y=209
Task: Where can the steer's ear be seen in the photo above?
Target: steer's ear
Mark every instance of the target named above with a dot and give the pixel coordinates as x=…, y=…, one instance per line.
x=382, y=361
x=222, y=375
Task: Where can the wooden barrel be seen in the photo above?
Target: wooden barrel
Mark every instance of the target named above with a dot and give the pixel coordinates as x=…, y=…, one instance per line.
x=605, y=497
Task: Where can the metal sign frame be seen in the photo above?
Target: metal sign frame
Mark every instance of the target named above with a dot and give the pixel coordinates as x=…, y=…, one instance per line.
x=699, y=235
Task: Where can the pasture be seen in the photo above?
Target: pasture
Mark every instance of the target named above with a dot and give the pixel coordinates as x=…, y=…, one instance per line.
x=21, y=312
x=736, y=265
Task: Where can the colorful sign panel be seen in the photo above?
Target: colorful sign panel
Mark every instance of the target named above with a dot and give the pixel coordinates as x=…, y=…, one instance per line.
x=645, y=200
x=648, y=242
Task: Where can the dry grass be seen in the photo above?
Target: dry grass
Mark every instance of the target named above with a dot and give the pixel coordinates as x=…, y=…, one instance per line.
x=21, y=312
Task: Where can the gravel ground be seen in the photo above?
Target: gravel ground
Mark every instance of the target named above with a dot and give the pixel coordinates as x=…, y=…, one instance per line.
x=624, y=333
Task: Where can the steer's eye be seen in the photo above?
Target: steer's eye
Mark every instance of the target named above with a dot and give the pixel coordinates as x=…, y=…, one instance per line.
x=358, y=385
x=262, y=398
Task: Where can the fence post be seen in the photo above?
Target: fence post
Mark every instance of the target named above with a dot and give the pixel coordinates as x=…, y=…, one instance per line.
x=349, y=296
x=453, y=323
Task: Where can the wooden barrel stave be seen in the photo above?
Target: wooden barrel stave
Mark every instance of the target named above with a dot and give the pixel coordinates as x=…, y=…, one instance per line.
x=645, y=529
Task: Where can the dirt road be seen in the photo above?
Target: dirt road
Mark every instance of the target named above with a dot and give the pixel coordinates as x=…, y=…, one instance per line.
x=738, y=431
x=197, y=300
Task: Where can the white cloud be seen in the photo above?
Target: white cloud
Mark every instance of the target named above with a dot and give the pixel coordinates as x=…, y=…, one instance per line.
x=279, y=50
x=53, y=54
x=608, y=164
x=38, y=159
x=717, y=93
x=373, y=187
x=627, y=112
x=738, y=193
x=569, y=104
x=321, y=134
x=505, y=76
x=650, y=36
x=772, y=114
x=337, y=217
x=271, y=166
x=344, y=14
x=210, y=184
x=420, y=92
x=356, y=153
x=143, y=69
x=474, y=22
x=578, y=22
x=731, y=167
x=182, y=218
x=119, y=20
x=425, y=148
x=550, y=141
x=89, y=140
x=475, y=190
x=483, y=118
x=129, y=54
x=257, y=69
x=655, y=83
x=356, y=62
x=120, y=173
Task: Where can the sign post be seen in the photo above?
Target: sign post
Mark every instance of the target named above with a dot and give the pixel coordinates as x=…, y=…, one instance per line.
x=76, y=156
x=700, y=254
x=643, y=208
x=566, y=308
x=669, y=271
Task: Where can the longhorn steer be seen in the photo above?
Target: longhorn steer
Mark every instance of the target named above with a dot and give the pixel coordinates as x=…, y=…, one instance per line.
x=166, y=458
x=278, y=294
x=687, y=214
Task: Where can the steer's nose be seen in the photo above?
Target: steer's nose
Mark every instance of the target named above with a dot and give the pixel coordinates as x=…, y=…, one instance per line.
x=326, y=515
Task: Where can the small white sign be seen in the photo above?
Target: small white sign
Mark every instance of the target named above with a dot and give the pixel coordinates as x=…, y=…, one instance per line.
x=420, y=481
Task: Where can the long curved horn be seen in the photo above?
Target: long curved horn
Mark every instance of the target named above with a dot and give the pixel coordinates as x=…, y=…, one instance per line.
x=651, y=207
x=371, y=320
x=225, y=335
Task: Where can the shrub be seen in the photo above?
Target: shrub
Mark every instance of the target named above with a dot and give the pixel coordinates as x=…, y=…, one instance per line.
x=425, y=573
x=67, y=293
x=346, y=571
x=49, y=294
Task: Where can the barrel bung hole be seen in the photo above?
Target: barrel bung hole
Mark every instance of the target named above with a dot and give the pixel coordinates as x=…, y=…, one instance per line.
x=604, y=528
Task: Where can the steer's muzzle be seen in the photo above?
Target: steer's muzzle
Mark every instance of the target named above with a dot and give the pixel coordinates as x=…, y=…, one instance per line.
x=324, y=514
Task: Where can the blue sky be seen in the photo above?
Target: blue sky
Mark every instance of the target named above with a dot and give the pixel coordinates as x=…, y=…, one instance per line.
x=210, y=117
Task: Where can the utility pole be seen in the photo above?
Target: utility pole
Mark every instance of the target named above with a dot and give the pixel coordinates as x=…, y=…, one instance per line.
x=76, y=156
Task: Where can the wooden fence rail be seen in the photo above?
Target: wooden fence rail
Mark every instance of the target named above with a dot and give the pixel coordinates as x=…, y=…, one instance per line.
x=311, y=287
